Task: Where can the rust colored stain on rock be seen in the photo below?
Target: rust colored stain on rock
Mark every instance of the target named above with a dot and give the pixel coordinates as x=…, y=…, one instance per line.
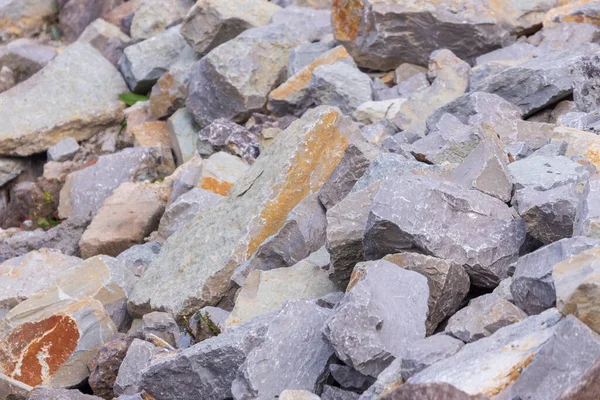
x=35, y=350
x=346, y=15
x=215, y=186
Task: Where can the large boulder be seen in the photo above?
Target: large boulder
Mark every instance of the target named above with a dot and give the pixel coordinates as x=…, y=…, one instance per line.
x=76, y=96
x=196, y=263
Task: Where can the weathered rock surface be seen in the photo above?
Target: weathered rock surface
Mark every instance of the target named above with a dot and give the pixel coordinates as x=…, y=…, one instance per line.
x=542, y=173
x=492, y=239
x=314, y=25
x=85, y=190
x=365, y=330
x=183, y=133
x=137, y=258
x=448, y=284
x=150, y=18
x=305, y=54
x=223, y=135
x=585, y=388
x=63, y=151
x=234, y=80
x=210, y=23
x=24, y=17
x=107, y=38
x=138, y=356
x=43, y=393
x=231, y=233
x=430, y=391
x=25, y=57
x=130, y=214
x=220, y=171
x=82, y=88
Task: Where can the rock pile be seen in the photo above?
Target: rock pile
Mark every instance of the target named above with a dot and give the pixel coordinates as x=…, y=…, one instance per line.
x=299, y=199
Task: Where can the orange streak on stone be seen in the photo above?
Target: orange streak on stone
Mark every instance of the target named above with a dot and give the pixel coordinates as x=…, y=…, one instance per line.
x=215, y=186
x=346, y=15
x=310, y=167
x=50, y=341
x=508, y=379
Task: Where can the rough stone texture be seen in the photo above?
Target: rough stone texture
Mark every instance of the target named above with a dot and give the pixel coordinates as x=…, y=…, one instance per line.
x=450, y=77
x=448, y=284
x=24, y=17
x=352, y=166
x=305, y=54
x=576, y=283
x=486, y=245
x=383, y=34
x=551, y=215
x=485, y=169
x=213, y=22
x=537, y=83
x=107, y=38
x=76, y=15
x=580, y=144
x=170, y=91
x=533, y=286
x=268, y=369
x=85, y=190
x=585, y=90
x=234, y=79
x=430, y=391
x=516, y=53
x=220, y=171
x=589, y=220
x=542, y=173
x=25, y=57
x=104, y=367
x=74, y=96
x=298, y=395
x=144, y=62
x=586, y=387
x=348, y=378
x=566, y=356
x=10, y=168
x=137, y=258
x=7, y=79
x=302, y=233
x=151, y=19
x=482, y=317
x=23, y=276
x=335, y=393
x=44, y=393
x=294, y=95
x=138, y=356
x=341, y=85
x=130, y=214
x=63, y=151
x=230, y=234
x=183, y=133
x=122, y=16
x=13, y=389
x=491, y=364
x=375, y=111
x=265, y=291
x=224, y=135
x=184, y=209
x=205, y=370
x=314, y=25
x=162, y=325
x=366, y=330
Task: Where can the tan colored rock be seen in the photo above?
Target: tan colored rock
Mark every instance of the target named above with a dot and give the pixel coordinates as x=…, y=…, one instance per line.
x=151, y=134
x=577, y=283
x=265, y=291
x=107, y=38
x=572, y=11
x=298, y=395
x=294, y=92
x=374, y=111
x=579, y=143
x=121, y=16
x=24, y=17
x=154, y=16
x=130, y=214
x=23, y=276
x=195, y=265
x=220, y=171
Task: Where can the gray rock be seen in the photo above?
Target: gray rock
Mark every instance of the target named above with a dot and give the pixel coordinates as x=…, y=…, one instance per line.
x=75, y=96
x=138, y=358
x=314, y=25
x=144, y=62
x=554, y=148
x=485, y=169
x=350, y=169
x=450, y=141
x=64, y=237
x=162, y=325
x=490, y=364
x=10, y=168
x=150, y=18
x=429, y=391
x=551, y=215
x=546, y=172
x=107, y=38
x=420, y=355
x=589, y=221
x=211, y=23
x=184, y=209
x=533, y=286
x=585, y=387
x=341, y=85
x=13, y=389
x=85, y=190
x=366, y=331
x=586, y=78
x=45, y=393
x=478, y=231
x=207, y=369
x=482, y=317
x=25, y=17
x=518, y=150
x=137, y=258
x=76, y=15
x=171, y=90
x=448, y=284
x=379, y=132
x=63, y=151
x=206, y=251
x=537, y=83
x=503, y=290
x=305, y=54
x=25, y=57
x=413, y=84
x=183, y=133
x=349, y=378
x=564, y=358
x=516, y=53
x=224, y=135
x=334, y=393
x=234, y=79
x=269, y=369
